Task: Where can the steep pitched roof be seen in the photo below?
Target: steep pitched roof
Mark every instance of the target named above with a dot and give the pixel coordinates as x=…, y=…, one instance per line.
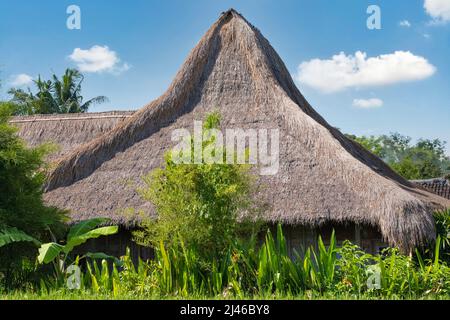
x=323, y=175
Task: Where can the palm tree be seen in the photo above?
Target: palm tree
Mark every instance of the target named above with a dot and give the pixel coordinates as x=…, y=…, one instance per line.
x=55, y=96
x=67, y=93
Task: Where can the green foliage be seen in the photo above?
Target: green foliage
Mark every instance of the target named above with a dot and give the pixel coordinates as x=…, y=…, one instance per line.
x=249, y=269
x=22, y=210
x=11, y=235
x=197, y=203
x=442, y=219
x=423, y=160
x=54, y=96
x=79, y=233
x=86, y=230
x=352, y=269
x=7, y=109
x=372, y=143
x=48, y=252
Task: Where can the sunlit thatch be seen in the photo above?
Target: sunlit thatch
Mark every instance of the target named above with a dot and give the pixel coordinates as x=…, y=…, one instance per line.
x=323, y=176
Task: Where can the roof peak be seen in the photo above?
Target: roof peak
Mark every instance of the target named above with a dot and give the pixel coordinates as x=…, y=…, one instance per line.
x=231, y=11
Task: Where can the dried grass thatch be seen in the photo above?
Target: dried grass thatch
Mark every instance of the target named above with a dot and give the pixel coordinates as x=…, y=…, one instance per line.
x=68, y=131
x=323, y=176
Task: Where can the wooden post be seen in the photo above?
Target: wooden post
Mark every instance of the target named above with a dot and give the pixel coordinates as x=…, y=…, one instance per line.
x=358, y=234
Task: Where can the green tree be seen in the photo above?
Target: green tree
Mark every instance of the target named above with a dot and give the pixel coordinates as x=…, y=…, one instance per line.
x=423, y=160
x=54, y=96
x=22, y=175
x=372, y=143
x=198, y=203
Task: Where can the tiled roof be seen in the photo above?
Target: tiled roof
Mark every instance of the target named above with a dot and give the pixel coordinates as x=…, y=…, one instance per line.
x=438, y=186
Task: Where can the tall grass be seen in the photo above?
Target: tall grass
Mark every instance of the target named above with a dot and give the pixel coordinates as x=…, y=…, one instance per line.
x=249, y=269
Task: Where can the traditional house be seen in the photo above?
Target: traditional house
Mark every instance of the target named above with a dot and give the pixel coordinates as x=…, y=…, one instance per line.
x=324, y=180
x=439, y=186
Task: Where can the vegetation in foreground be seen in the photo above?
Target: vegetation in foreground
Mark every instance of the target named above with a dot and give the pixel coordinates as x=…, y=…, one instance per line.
x=24, y=217
x=249, y=270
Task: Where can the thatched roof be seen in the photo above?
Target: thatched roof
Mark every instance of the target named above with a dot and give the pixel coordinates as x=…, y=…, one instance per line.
x=439, y=186
x=68, y=131
x=323, y=175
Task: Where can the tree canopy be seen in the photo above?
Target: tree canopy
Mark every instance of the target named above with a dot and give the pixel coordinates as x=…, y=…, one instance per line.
x=54, y=96
x=424, y=159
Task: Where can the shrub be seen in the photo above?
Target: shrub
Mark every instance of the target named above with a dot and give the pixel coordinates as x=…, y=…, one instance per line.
x=198, y=204
x=22, y=175
x=352, y=268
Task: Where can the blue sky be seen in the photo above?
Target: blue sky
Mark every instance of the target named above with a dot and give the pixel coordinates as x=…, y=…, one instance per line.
x=401, y=83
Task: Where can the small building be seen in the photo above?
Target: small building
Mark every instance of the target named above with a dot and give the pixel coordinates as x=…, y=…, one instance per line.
x=325, y=181
x=439, y=186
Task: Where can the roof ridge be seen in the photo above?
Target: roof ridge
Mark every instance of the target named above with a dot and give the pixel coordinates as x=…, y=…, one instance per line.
x=85, y=116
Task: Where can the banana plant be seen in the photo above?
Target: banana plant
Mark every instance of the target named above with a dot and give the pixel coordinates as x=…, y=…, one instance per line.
x=10, y=235
x=81, y=232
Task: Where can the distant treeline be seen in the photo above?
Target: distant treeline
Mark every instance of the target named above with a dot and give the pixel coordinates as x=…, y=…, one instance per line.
x=424, y=159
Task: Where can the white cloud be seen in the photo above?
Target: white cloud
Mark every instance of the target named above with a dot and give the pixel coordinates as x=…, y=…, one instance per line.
x=439, y=10
x=368, y=103
x=404, y=23
x=98, y=59
x=355, y=71
x=21, y=80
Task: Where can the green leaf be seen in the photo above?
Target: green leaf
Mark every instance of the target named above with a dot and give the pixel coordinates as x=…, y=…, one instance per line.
x=436, y=251
x=82, y=238
x=48, y=252
x=101, y=255
x=85, y=226
x=11, y=235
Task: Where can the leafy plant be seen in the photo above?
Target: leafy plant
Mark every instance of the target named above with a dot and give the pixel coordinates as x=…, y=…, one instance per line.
x=198, y=204
x=352, y=268
x=22, y=209
x=265, y=270
x=12, y=235
x=442, y=219
x=57, y=254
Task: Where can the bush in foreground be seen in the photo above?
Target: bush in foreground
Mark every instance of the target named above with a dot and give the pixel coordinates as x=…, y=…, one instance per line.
x=23, y=214
x=266, y=271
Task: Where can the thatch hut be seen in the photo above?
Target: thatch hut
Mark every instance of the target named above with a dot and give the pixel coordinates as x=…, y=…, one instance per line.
x=324, y=181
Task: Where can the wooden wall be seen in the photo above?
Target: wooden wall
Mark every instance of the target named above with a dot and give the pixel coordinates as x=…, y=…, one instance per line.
x=116, y=245
x=298, y=238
